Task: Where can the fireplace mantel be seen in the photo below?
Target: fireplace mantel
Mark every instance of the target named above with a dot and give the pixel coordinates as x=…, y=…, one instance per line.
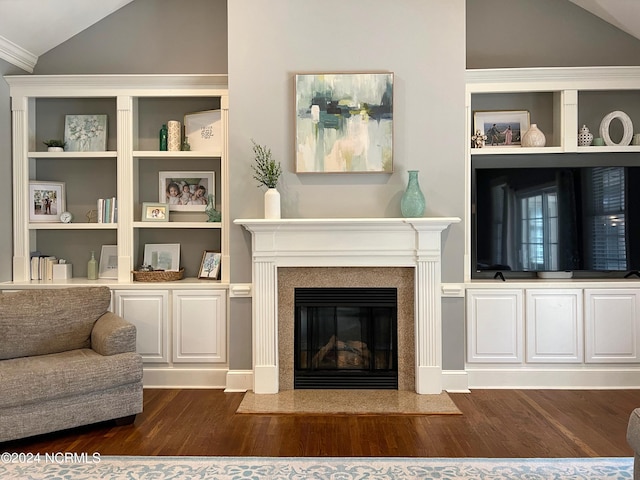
x=347, y=242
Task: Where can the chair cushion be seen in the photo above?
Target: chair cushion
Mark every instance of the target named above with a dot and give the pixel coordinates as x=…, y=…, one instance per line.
x=44, y=321
x=76, y=372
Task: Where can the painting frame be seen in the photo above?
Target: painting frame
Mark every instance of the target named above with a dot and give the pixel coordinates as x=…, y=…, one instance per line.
x=85, y=133
x=154, y=212
x=194, y=180
x=162, y=256
x=210, y=265
x=518, y=121
x=107, y=268
x=39, y=192
x=344, y=122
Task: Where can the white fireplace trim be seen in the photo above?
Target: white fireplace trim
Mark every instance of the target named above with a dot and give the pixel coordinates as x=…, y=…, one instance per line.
x=347, y=242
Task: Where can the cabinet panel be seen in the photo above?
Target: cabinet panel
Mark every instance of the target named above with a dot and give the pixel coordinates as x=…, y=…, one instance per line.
x=200, y=326
x=148, y=311
x=494, y=326
x=554, y=325
x=611, y=325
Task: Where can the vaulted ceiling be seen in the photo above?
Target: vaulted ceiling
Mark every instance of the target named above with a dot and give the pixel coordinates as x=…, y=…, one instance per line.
x=30, y=28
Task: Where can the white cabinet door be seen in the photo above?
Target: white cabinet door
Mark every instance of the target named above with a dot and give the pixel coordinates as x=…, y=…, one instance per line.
x=148, y=311
x=494, y=326
x=611, y=325
x=200, y=326
x=554, y=325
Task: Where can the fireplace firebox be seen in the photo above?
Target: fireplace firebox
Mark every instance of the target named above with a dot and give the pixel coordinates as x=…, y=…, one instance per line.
x=345, y=338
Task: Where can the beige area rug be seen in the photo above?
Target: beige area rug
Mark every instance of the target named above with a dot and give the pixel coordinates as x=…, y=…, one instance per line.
x=355, y=402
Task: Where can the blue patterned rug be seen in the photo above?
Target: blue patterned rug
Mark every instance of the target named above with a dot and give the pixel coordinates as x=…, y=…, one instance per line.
x=304, y=468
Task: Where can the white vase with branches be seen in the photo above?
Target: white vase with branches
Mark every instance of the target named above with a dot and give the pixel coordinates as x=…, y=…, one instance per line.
x=267, y=172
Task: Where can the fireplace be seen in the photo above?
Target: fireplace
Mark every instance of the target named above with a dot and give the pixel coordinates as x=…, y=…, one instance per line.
x=345, y=338
x=346, y=243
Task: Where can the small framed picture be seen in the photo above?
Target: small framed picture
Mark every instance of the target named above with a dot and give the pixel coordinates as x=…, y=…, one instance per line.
x=46, y=201
x=108, y=262
x=162, y=256
x=186, y=191
x=85, y=133
x=210, y=266
x=502, y=128
x=155, y=212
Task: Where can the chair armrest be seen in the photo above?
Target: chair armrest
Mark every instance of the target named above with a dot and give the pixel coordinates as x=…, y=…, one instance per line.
x=112, y=334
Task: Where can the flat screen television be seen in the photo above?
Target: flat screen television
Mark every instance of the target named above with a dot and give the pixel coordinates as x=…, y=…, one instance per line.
x=579, y=219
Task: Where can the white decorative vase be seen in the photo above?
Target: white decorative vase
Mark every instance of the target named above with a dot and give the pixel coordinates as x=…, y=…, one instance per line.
x=272, y=204
x=55, y=149
x=585, y=137
x=533, y=137
x=174, y=142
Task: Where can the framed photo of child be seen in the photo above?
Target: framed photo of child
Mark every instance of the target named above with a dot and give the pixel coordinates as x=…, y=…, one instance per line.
x=46, y=201
x=186, y=191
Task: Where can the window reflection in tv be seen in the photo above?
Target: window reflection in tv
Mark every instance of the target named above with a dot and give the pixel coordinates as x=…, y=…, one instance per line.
x=556, y=219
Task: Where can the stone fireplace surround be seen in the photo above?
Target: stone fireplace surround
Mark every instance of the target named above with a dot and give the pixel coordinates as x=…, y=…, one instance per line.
x=346, y=242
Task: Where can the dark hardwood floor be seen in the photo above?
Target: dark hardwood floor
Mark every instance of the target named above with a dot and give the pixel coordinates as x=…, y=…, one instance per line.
x=495, y=423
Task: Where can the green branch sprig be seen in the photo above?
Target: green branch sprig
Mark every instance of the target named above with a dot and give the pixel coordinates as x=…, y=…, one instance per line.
x=266, y=170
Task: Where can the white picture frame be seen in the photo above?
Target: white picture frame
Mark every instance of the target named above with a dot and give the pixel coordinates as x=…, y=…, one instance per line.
x=203, y=131
x=46, y=201
x=168, y=182
x=108, y=267
x=162, y=256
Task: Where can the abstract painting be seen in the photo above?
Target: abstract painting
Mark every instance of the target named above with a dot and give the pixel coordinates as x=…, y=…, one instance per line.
x=344, y=123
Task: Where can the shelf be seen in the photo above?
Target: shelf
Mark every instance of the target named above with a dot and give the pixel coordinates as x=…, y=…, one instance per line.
x=72, y=226
x=515, y=150
x=180, y=154
x=161, y=225
x=80, y=155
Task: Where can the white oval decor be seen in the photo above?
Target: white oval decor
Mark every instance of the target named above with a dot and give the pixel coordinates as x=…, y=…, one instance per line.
x=626, y=124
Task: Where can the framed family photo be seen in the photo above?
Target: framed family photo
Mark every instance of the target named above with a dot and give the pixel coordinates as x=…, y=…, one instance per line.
x=210, y=265
x=46, y=201
x=503, y=128
x=186, y=191
x=344, y=122
x=155, y=212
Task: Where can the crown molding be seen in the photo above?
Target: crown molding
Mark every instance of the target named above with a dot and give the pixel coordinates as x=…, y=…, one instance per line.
x=16, y=55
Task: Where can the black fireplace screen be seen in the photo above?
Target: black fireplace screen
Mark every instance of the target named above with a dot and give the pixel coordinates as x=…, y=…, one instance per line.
x=346, y=338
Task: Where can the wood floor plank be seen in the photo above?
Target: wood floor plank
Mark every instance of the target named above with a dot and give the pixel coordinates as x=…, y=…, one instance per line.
x=493, y=424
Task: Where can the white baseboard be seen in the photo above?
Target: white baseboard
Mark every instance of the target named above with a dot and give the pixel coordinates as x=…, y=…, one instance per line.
x=595, y=378
x=455, y=381
x=239, y=381
x=155, y=377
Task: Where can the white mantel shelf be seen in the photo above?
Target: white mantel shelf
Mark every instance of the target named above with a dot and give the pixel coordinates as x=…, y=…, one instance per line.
x=348, y=242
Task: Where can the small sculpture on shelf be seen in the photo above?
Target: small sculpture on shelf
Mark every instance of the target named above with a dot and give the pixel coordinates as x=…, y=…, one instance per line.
x=478, y=139
x=92, y=216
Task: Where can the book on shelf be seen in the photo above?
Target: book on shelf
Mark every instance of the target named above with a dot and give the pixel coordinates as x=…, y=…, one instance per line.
x=107, y=210
x=42, y=267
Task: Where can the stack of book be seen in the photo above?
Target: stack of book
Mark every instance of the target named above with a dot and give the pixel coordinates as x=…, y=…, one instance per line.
x=42, y=267
x=107, y=210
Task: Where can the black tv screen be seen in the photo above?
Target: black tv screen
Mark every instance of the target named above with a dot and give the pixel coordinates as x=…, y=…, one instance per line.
x=549, y=219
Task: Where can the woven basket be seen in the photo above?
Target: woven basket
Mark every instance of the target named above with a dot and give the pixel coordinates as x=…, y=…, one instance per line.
x=157, y=276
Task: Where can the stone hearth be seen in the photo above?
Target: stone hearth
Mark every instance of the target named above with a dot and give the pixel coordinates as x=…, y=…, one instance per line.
x=364, y=242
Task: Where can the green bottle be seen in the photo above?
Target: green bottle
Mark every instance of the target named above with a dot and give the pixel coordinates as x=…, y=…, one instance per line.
x=164, y=135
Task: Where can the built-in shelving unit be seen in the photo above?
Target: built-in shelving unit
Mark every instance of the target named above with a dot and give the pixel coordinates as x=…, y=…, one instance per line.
x=181, y=325
x=541, y=333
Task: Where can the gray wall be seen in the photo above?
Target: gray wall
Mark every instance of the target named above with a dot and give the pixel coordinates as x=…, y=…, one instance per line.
x=421, y=41
x=543, y=33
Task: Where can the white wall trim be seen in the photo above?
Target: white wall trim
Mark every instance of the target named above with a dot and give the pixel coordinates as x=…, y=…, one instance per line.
x=16, y=55
x=455, y=381
x=554, y=378
x=239, y=380
x=154, y=377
